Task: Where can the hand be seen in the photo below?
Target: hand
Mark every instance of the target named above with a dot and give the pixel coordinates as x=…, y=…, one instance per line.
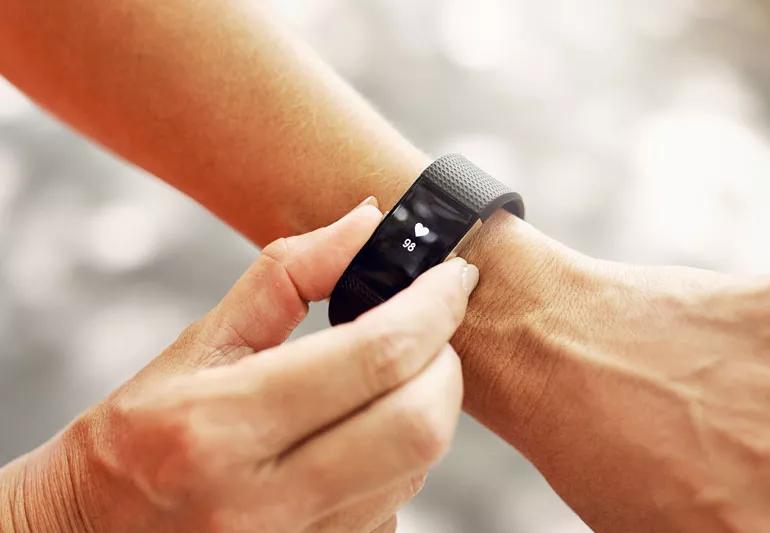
x=641, y=393
x=228, y=430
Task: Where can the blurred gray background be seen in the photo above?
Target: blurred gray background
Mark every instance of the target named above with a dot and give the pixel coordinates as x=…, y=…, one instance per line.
x=637, y=131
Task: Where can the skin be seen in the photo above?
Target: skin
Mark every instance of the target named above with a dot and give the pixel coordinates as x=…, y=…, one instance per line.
x=641, y=393
x=230, y=430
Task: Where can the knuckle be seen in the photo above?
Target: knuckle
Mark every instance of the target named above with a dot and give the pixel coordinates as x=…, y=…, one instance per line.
x=426, y=437
x=277, y=250
x=189, y=336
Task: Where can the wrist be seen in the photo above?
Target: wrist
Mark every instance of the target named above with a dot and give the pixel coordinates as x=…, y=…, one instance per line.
x=46, y=490
x=519, y=324
x=12, y=503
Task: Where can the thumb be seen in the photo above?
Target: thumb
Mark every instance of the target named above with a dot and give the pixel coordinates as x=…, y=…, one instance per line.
x=271, y=298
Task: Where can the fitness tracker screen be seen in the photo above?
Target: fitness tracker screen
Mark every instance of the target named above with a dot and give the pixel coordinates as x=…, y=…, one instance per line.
x=420, y=231
x=448, y=198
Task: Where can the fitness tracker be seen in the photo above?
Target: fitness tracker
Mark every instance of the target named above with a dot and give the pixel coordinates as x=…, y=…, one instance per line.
x=449, y=198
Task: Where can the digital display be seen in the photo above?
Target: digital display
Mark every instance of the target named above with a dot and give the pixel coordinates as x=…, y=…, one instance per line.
x=417, y=234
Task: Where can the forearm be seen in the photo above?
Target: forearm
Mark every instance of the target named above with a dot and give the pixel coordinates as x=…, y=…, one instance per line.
x=217, y=99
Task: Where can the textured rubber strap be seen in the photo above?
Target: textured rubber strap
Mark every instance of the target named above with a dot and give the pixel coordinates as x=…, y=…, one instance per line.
x=472, y=187
x=350, y=299
x=461, y=180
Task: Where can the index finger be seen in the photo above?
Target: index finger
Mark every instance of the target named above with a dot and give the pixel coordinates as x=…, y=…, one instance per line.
x=342, y=369
x=271, y=298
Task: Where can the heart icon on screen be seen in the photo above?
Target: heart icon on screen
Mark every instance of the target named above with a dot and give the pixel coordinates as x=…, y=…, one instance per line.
x=420, y=230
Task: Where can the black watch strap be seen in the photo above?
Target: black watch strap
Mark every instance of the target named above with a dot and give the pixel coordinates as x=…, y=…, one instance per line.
x=472, y=187
x=462, y=181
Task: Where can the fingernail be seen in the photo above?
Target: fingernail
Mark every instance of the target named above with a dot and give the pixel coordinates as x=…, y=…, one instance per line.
x=470, y=277
x=370, y=200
